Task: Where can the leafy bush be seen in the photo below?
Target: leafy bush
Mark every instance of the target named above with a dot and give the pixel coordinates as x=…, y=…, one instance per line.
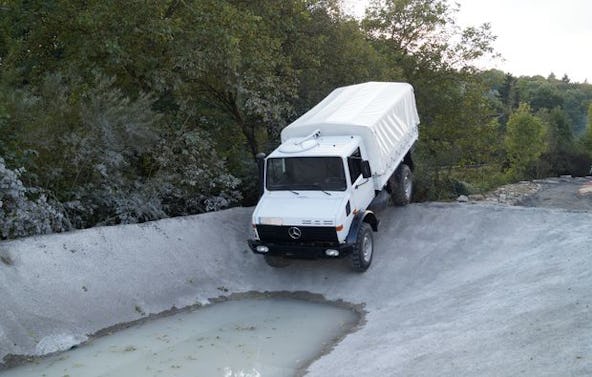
x=101, y=158
x=105, y=158
x=129, y=167
x=26, y=210
x=190, y=177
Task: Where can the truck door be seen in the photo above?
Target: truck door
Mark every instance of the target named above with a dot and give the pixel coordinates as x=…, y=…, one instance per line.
x=362, y=189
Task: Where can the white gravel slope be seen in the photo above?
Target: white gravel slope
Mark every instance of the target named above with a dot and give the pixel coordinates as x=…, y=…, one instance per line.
x=454, y=290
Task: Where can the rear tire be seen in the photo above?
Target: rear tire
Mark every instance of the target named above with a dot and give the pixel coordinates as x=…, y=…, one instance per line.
x=276, y=261
x=361, y=256
x=401, y=185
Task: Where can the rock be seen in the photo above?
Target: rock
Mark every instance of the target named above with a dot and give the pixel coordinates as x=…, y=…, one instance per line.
x=548, y=181
x=585, y=190
x=462, y=199
x=477, y=197
x=513, y=193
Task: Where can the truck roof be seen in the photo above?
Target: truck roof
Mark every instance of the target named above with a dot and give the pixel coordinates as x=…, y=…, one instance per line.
x=382, y=114
x=357, y=106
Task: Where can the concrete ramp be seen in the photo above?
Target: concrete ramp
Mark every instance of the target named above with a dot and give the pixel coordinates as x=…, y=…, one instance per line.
x=454, y=290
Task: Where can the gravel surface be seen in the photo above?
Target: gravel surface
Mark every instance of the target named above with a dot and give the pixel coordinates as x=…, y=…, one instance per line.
x=471, y=289
x=568, y=193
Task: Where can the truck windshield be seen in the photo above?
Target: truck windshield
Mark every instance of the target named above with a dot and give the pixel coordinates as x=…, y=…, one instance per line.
x=306, y=173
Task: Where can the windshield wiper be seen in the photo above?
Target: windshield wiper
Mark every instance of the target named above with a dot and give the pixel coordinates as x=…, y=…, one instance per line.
x=284, y=187
x=294, y=187
x=326, y=192
x=314, y=186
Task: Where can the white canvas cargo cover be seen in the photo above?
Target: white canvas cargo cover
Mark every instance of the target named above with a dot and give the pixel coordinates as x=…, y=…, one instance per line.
x=383, y=114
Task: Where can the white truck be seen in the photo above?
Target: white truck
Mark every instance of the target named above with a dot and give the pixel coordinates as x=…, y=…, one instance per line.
x=334, y=161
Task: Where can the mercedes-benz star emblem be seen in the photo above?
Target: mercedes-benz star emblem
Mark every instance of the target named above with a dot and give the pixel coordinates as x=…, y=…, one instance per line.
x=295, y=233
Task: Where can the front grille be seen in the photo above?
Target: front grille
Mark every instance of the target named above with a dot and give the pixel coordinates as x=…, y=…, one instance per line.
x=318, y=222
x=274, y=233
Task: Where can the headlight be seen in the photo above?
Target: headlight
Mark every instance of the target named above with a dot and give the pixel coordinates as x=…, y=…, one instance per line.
x=271, y=220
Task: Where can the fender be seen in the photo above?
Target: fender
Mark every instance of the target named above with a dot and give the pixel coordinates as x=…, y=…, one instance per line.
x=362, y=217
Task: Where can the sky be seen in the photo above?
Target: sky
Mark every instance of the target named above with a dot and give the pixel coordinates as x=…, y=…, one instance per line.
x=534, y=37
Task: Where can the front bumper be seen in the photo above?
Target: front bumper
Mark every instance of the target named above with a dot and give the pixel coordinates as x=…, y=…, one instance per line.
x=301, y=251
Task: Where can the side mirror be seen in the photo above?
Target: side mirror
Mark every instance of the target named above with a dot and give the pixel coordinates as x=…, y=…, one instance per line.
x=261, y=167
x=366, y=172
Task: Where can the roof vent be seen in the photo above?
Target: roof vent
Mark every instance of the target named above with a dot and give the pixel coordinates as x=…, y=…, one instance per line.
x=303, y=144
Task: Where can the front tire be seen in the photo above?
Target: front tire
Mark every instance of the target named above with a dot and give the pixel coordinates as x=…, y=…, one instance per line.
x=401, y=186
x=361, y=256
x=276, y=261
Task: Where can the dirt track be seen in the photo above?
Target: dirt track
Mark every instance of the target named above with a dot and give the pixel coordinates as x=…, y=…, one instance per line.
x=566, y=193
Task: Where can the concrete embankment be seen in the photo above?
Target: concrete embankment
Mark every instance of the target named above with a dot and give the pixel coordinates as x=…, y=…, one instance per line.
x=454, y=290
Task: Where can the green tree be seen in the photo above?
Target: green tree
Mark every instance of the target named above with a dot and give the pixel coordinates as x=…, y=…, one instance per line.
x=420, y=34
x=99, y=112
x=329, y=51
x=244, y=76
x=436, y=57
x=561, y=136
x=561, y=155
x=587, y=138
x=546, y=96
x=549, y=93
x=126, y=40
x=509, y=97
x=576, y=98
x=524, y=141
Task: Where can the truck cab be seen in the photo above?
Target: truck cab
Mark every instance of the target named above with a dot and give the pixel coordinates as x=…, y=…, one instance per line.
x=313, y=190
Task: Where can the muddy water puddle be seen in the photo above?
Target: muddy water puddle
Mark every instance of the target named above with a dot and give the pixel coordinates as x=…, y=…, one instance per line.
x=243, y=338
